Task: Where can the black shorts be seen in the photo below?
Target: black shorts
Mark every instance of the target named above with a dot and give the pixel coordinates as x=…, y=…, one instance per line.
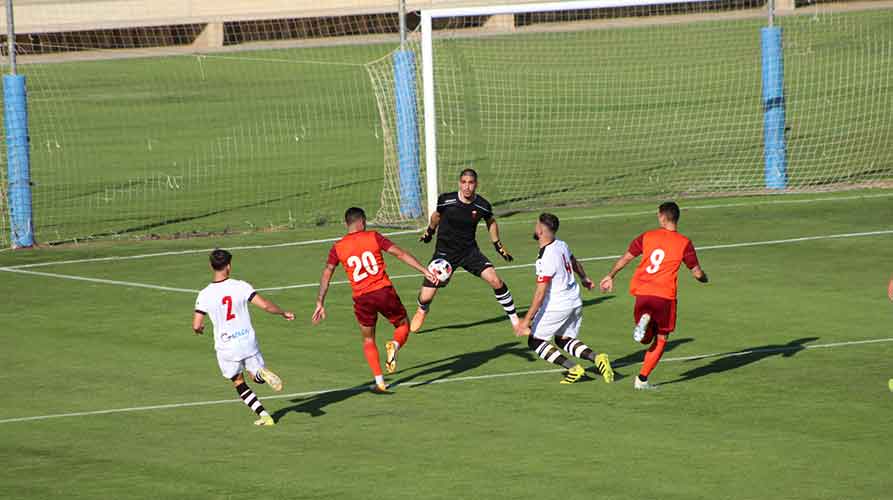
x=472, y=260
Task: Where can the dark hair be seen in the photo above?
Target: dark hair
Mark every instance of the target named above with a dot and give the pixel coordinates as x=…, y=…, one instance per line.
x=670, y=210
x=469, y=171
x=354, y=214
x=550, y=221
x=220, y=259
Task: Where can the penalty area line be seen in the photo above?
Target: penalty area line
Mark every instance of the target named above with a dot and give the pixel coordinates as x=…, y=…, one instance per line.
x=188, y=252
x=469, y=378
x=716, y=206
x=417, y=231
x=133, y=284
x=103, y=281
x=610, y=257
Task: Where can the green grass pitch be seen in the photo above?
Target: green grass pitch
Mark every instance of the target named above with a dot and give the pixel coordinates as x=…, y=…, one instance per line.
x=786, y=421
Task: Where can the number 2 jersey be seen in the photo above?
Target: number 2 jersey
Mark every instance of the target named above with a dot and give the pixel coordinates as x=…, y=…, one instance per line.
x=226, y=304
x=662, y=251
x=554, y=267
x=360, y=254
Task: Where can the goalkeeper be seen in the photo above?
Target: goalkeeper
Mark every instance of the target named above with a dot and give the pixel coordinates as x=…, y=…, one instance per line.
x=455, y=223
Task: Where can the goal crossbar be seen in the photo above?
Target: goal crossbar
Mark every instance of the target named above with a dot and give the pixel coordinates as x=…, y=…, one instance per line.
x=533, y=8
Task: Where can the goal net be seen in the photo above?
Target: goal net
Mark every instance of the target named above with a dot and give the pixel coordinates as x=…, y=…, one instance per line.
x=576, y=105
x=186, y=129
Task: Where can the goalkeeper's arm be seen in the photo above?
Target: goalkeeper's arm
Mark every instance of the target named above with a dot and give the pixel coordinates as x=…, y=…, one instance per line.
x=493, y=229
x=431, y=229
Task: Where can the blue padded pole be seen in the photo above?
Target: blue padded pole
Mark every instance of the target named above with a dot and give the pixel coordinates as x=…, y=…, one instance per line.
x=407, y=133
x=774, y=147
x=18, y=160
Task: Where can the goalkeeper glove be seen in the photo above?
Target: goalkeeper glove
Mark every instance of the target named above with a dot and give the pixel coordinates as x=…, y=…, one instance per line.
x=429, y=233
x=502, y=251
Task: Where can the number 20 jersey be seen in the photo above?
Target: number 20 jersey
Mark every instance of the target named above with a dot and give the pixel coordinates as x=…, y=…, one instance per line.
x=662, y=252
x=360, y=254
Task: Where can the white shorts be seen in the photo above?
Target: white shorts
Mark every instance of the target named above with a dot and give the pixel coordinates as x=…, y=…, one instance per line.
x=230, y=368
x=548, y=324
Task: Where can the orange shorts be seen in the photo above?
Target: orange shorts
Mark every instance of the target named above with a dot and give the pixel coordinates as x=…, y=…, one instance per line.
x=663, y=315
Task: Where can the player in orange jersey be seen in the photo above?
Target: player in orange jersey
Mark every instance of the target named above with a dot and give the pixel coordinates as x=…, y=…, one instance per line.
x=373, y=293
x=654, y=284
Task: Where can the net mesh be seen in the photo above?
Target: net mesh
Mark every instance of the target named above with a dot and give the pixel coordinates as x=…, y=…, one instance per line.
x=572, y=107
x=156, y=132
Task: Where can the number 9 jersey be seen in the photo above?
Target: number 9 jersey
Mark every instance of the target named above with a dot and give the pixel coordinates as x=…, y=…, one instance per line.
x=663, y=252
x=360, y=254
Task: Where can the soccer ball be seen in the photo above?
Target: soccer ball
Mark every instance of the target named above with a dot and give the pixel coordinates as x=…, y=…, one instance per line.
x=441, y=268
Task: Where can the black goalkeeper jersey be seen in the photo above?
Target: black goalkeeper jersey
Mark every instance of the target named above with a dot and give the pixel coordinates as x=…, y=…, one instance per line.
x=458, y=222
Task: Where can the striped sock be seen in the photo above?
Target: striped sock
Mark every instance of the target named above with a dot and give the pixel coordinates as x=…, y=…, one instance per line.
x=549, y=352
x=576, y=348
x=504, y=297
x=250, y=399
x=259, y=379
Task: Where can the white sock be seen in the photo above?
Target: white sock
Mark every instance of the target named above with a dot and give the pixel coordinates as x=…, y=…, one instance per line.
x=396, y=345
x=264, y=413
x=514, y=318
x=379, y=379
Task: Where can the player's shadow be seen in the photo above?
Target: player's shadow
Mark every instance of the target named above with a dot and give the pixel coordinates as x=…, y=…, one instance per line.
x=460, y=363
x=737, y=359
x=635, y=358
x=502, y=317
x=314, y=405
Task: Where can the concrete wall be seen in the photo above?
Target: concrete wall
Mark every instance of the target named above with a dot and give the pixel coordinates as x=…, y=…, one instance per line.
x=43, y=16
x=47, y=16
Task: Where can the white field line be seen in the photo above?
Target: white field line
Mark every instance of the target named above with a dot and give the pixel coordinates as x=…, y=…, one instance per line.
x=715, y=206
x=406, y=276
x=438, y=381
x=610, y=257
x=99, y=280
x=187, y=252
x=415, y=231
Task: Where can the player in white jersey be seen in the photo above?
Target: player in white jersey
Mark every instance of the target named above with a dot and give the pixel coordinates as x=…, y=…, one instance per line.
x=225, y=301
x=556, y=311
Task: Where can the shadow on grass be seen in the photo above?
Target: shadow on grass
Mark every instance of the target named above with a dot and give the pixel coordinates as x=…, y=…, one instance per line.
x=460, y=363
x=315, y=405
x=632, y=359
x=502, y=317
x=734, y=360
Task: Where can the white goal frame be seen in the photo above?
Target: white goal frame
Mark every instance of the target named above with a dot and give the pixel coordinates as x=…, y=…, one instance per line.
x=428, y=61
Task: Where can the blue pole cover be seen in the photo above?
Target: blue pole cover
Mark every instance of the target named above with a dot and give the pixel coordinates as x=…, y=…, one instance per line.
x=774, y=147
x=18, y=160
x=407, y=133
